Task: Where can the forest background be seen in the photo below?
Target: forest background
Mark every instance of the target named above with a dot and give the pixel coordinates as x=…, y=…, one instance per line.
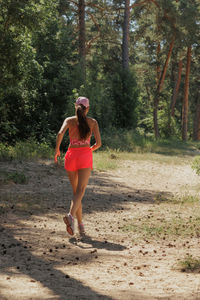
x=137, y=61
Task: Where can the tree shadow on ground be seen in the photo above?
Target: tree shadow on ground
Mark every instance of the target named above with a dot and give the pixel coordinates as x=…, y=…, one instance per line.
x=60, y=284
x=17, y=260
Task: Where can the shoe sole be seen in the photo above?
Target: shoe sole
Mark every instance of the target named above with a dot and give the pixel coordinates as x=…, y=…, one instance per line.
x=68, y=226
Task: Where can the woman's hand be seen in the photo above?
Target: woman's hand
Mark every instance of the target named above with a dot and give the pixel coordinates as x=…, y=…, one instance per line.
x=57, y=153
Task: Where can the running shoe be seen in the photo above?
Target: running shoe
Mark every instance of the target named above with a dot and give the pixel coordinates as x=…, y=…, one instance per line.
x=69, y=221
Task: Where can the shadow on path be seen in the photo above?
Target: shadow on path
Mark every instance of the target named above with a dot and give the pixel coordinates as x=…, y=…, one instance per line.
x=60, y=285
x=88, y=243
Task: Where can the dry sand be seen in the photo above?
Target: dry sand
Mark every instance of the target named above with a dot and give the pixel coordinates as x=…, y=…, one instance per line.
x=38, y=260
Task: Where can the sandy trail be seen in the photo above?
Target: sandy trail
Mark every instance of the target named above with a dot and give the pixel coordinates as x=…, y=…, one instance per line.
x=39, y=261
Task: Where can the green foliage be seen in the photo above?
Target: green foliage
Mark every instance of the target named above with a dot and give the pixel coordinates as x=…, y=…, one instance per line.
x=41, y=73
x=25, y=150
x=196, y=165
x=124, y=94
x=35, y=80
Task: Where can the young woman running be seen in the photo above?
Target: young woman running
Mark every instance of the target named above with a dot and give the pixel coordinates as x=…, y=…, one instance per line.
x=78, y=159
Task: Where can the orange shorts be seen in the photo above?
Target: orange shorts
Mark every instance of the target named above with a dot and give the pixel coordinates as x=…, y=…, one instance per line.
x=78, y=158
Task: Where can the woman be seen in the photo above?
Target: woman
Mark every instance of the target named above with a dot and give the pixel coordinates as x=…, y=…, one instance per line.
x=78, y=159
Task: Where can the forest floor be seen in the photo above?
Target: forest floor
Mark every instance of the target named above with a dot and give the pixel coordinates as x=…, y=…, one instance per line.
x=140, y=220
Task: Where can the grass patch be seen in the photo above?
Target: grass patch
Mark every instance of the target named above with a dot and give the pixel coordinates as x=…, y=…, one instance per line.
x=180, y=199
x=187, y=198
x=196, y=165
x=117, y=145
x=189, y=264
x=132, y=141
x=166, y=226
x=153, y=157
x=104, y=160
x=15, y=176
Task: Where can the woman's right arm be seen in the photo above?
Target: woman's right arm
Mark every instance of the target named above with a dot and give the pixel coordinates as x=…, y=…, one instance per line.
x=59, y=138
x=97, y=137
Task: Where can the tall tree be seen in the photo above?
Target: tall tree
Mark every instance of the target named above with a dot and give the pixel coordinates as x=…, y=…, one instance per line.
x=196, y=125
x=125, y=43
x=159, y=88
x=186, y=94
x=82, y=45
x=176, y=87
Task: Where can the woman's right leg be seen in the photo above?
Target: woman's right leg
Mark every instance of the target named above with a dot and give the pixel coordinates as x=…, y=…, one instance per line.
x=83, y=177
x=73, y=178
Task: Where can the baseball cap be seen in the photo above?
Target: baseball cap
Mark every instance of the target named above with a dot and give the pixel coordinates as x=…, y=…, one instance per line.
x=83, y=100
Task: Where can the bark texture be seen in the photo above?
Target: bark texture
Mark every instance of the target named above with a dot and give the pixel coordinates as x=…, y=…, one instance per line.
x=176, y=87
x=196, y=129
x=82, y=44
x=159, y=88
x=186, y=93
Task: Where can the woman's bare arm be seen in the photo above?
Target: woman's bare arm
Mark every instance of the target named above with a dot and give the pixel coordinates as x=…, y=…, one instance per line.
x=97, y=137
x=59, y=138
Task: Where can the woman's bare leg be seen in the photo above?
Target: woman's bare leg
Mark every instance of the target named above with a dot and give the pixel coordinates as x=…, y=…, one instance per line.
x=74, y=178
x=76, y=207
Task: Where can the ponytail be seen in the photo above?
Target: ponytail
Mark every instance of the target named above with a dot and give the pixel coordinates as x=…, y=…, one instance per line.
x=83, y=126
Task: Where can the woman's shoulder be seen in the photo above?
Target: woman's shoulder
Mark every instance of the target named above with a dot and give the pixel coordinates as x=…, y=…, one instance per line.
x=91, y=121
x=71, y=120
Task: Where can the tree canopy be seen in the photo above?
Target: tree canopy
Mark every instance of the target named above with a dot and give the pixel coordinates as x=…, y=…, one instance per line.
x=137, y=61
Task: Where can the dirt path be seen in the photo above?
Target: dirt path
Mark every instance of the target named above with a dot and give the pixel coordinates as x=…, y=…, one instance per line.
x=39, y=261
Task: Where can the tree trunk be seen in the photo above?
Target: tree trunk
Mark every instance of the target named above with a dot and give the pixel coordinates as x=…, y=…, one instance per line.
x=158, y=64
x=196, y=128
x=186, y=93
x=176, y=87
x=82, y=46
x=159, y=88
x=125, y=43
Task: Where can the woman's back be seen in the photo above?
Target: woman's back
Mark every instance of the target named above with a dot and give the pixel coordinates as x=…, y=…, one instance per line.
x=74, y=133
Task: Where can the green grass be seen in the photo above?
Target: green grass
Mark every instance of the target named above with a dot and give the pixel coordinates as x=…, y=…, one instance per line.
x=118, y=145
x=189, y=264
x=166, y=159
x=132, y=141
x=104, y=160
x=25, y=151
x=196, y=165
x=186, y=199
x=166, y=222
x=14, y=176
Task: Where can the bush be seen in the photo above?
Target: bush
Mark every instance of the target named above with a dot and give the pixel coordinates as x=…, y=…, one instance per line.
x=26, y=150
